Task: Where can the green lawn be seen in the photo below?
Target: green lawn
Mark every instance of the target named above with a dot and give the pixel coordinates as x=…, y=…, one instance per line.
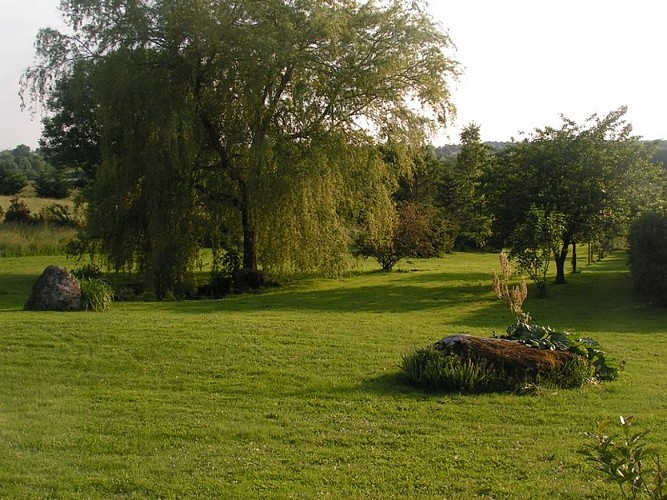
x=296, y=393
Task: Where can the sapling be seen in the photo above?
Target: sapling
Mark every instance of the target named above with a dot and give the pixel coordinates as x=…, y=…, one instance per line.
x=622, y=459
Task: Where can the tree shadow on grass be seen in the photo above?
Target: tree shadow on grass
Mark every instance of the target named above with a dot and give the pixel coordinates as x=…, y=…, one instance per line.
x=397, y=384
x=14, y=290
x=600, y=299
x=382, y=298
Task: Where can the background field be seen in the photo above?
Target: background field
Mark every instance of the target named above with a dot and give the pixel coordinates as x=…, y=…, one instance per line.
x=40, y=239
x=34, y=203
x=296, y=392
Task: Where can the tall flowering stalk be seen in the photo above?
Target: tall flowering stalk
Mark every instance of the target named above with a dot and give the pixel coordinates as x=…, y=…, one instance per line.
x=513, y=297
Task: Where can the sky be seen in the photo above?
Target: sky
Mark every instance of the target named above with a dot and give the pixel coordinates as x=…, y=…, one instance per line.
x=525, y=63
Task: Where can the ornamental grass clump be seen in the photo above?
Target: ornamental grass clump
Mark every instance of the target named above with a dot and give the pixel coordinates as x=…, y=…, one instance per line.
x=431, y=368
x=97, y=294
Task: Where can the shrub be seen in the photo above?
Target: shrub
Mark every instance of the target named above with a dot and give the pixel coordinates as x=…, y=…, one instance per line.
x=51, y=183
x=648, y=257
x=18, y=212
x=420, y=231
x=97, y=294
x=60, y=215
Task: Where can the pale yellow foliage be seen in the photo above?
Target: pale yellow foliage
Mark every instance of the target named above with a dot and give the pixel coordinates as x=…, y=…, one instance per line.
x=514, y=297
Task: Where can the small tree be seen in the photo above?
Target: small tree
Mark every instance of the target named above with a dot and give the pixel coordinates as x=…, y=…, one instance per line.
x=533, y=242
x=18, y=212
x=418, y=231
x=51, y=183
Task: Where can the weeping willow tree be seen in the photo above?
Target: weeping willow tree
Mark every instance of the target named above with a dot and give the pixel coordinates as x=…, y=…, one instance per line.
x=142, y=206
x=313, y=197
x=257, y=122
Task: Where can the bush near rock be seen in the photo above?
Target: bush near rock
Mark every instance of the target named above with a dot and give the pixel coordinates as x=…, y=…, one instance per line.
x=528, y=356
x=55, y=290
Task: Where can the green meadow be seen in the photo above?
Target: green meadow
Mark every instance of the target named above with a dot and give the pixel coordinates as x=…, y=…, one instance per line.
x=296, y=392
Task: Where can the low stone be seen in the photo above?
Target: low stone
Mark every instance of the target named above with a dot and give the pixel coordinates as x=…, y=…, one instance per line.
x=510, y=356
x=55, y=290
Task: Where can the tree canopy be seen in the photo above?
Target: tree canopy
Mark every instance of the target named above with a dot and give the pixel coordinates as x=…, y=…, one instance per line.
x=593, y=177
x=256, y=123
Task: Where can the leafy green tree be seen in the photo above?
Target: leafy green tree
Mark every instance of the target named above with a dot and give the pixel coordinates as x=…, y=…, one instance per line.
x=70, y=134
x=420, y=169
x=460, y=189
x=533, y=243
x=51, y=183
x=260, y=118
x=591, y=175
x=31, y=163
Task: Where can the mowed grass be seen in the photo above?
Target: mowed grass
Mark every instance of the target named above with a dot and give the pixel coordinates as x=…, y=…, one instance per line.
x=296, y=392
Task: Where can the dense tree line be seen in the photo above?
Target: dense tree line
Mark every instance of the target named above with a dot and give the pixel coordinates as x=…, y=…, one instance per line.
x=289, y=133
x=580, y=183
x=21, y=166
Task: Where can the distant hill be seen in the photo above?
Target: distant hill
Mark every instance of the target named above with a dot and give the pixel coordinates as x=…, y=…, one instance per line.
x=452, y=150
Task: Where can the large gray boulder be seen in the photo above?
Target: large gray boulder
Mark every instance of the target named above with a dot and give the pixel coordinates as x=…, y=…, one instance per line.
x=55, y=290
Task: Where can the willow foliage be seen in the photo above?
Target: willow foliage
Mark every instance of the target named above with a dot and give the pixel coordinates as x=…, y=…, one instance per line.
x=314, y=196
x=246, y=124
x=142, y=203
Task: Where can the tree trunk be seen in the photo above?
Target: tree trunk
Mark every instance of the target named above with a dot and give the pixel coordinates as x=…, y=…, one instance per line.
x=249, y=242
x=560, y=257
x=574, y=258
